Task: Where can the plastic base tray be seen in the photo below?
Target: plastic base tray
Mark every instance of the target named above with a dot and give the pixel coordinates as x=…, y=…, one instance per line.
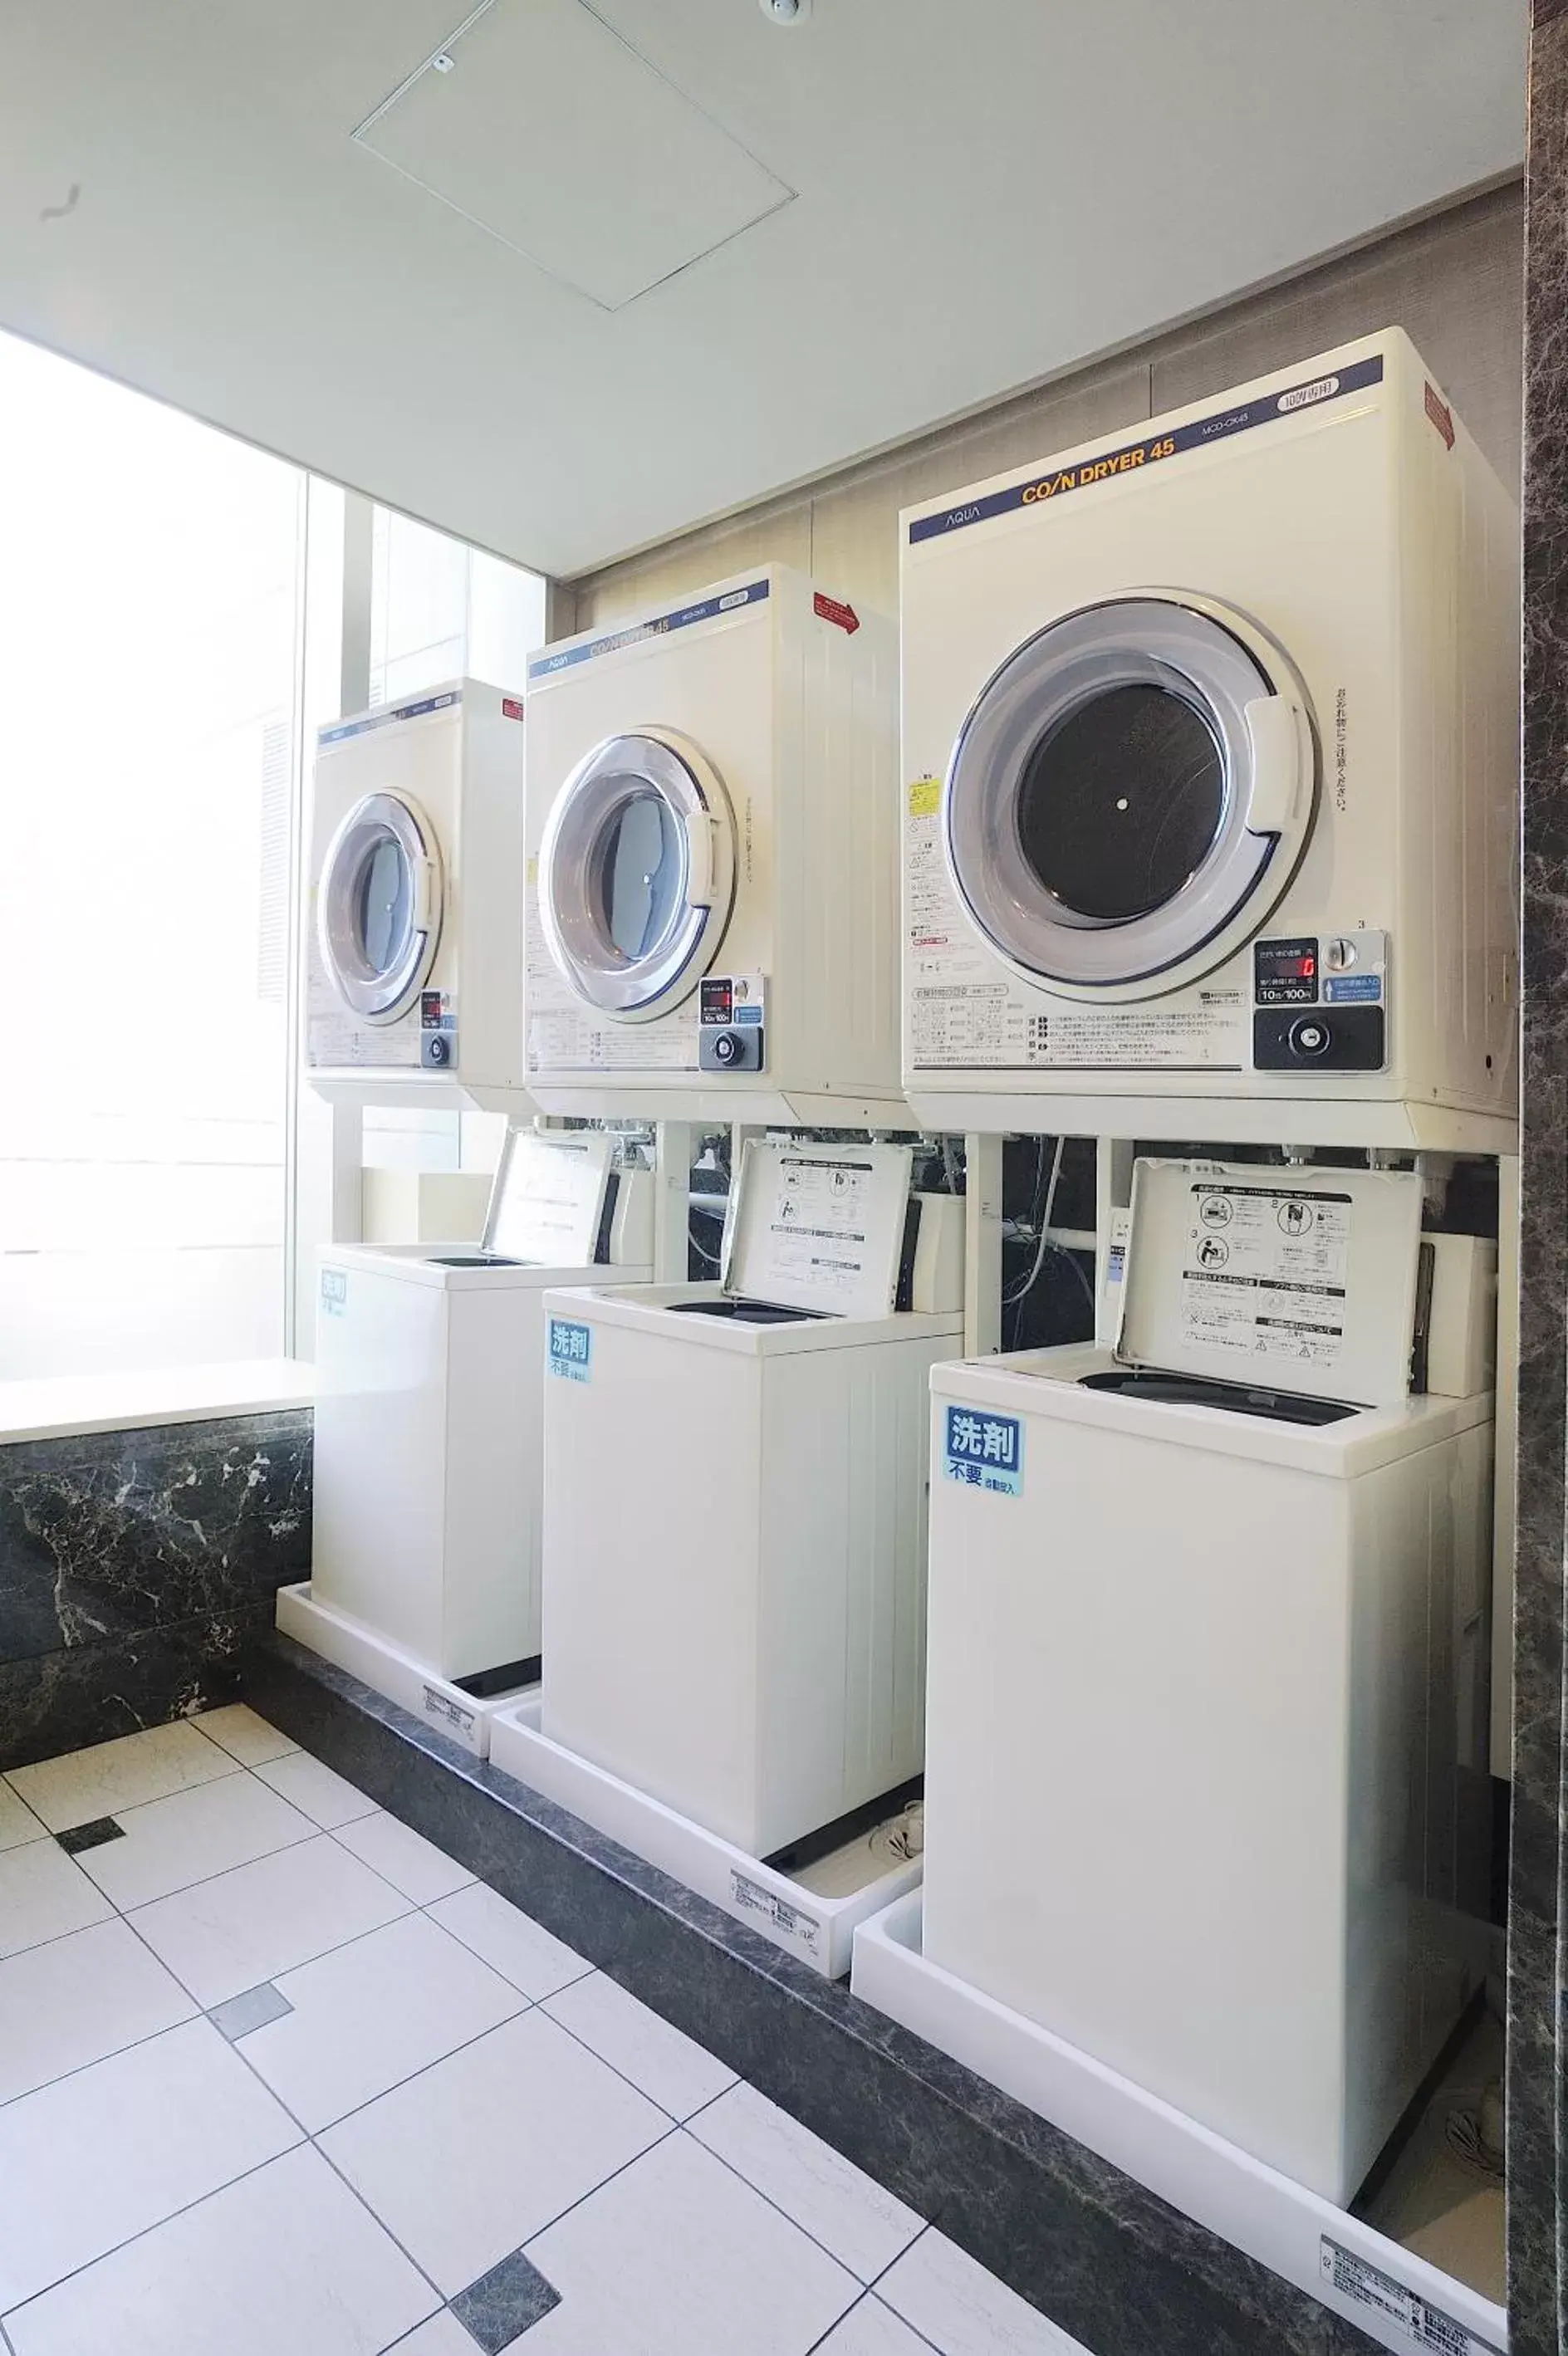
x=1395, y=2297
x=813, y=1917
x=383, y=1665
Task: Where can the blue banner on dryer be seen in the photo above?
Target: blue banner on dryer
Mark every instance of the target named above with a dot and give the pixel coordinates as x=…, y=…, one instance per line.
x=984, y=1451
x=384, y=718
x=1128, y=457
x=570, y=1348
x=681, y=617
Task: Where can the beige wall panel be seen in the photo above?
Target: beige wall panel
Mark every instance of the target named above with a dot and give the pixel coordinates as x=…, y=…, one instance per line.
x=1455, y=285
x=779, y=535
x=854, y=537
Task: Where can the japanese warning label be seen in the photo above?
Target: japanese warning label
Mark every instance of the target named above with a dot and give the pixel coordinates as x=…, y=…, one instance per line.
x=817, y=1230
x=965, y=1011
x=791, y=1924
x=563, y=1035
x=1264, y=1273
x=1422, y=2325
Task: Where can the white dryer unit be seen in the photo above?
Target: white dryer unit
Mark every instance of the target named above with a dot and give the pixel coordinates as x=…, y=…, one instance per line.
x=414, y=938
x=735, y=1502
x=711, y=922
x=428, y=1407
x=1206, y=1742
x=1211, y=742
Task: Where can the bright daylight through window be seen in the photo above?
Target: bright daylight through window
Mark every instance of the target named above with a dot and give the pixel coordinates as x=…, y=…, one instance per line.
x=148, y=633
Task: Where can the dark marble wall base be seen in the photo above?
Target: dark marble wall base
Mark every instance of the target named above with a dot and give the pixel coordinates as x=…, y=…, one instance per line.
x=1113, y=2265
x=1537, y=1891
x=91, y=1693
x=135, y=1565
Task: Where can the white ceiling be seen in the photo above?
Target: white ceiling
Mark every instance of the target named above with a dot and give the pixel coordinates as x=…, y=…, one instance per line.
x=900, y=208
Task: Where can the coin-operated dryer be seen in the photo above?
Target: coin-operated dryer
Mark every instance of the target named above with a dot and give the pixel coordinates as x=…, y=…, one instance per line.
x=413, y=932
x=711, y=918
x=429, y=1409
x=735, y=1502
x=1206, y=1787
x=1210, y=746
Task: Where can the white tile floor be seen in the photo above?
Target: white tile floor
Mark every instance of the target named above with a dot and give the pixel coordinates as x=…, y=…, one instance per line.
x=406, y=2085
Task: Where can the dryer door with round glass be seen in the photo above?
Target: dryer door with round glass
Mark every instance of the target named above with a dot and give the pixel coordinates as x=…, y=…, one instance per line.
x=1130, y=795
x=636, y=874
x=379, y=906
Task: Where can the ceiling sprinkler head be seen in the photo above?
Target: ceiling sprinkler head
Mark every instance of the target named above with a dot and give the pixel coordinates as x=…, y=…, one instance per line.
x=785, y=12
x=443, y=63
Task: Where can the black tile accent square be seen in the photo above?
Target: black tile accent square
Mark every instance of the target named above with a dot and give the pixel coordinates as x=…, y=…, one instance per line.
x=77, y=1837
x=504, y=2302
x=1110, y=2262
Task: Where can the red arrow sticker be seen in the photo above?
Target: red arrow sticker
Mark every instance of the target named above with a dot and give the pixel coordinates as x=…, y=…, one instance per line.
x=1441, y=415
x=833, y=609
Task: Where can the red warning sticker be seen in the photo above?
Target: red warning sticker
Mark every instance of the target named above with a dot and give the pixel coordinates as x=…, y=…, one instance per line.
x=512, y=707
x=1441, y=414
x=833, y=610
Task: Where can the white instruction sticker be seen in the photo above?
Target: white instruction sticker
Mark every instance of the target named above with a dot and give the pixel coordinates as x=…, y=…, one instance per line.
x=816, y=1230
x=966, y=1012
x=565, y=1035
x=550, y=1205
x=790, y=1925
x=1264, y=1273
x=1425, y=2325
x=337, y=1041
x=451, y=1712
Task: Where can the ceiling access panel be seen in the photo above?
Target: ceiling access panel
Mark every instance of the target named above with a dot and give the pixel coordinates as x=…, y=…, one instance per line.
x=542, y=125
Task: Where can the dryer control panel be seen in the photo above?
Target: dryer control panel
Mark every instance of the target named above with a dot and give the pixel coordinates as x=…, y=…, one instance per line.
x=731, y=1022
x=1320, y=1002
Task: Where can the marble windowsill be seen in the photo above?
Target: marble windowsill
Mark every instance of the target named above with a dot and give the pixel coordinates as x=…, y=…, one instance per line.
x=60, y=1405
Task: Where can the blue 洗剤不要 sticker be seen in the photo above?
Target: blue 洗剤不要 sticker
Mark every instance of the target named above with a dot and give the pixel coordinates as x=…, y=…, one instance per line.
x=570, y=1348
x=984, y=1450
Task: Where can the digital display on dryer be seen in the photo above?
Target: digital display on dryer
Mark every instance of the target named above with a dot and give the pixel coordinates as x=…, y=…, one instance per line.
x=716, y=999
x=1286, y=973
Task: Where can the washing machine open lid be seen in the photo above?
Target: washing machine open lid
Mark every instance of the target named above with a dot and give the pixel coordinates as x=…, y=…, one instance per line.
x=1303, y=1281
x=636, y=873
x=1129, y=794
x=817, y=1228
x=547, y=1204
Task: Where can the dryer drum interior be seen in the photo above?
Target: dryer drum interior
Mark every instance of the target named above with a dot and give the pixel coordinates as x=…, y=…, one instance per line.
x=1113, y=804
x=379, y=905
x=636, y=874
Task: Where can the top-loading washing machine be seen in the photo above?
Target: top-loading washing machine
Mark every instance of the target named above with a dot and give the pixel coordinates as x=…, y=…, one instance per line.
x=1206, y=1787
x=735, y=1502
x=712, y=917
x=1210, y=746
x=428, y=1454
x=414, y=936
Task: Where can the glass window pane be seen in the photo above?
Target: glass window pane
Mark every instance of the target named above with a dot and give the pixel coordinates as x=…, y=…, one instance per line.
x=384, y=905
x=148, y=626
x=639, y=877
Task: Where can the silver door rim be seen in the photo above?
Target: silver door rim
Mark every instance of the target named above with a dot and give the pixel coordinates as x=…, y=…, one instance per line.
x=1216, y=662
x=615, y=773
x=373, y=995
